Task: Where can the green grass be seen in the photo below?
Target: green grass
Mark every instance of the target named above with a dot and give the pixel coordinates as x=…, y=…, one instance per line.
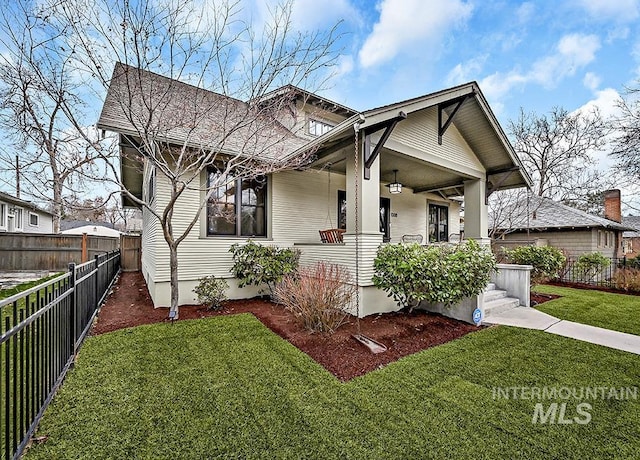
x=4, y=293
x=227, y=387
x=618, y=312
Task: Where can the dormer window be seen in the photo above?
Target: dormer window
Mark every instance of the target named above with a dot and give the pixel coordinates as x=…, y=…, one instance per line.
x=318, y=128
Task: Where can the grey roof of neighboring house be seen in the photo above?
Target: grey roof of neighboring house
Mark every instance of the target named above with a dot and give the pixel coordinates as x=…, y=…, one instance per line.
x=139, y=101
x=546, y=214
x=20, y=202
x=634, y=223
x=69, y=224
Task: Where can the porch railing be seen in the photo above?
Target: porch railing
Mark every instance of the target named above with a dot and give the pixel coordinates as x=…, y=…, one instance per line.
x=41, y=330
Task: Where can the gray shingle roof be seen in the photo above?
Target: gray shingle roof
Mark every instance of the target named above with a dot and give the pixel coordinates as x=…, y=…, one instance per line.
x=140, y=101
x=634, y=223
x=544, y=213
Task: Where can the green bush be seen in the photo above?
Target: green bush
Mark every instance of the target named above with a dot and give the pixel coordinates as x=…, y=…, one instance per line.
x=589, y=266
x=211, y=292
x=254, y=264
x=411, y=273
x=547, y=261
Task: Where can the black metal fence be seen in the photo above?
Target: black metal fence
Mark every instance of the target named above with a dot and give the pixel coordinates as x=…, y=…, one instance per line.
x=41, y=331
x=602, y=276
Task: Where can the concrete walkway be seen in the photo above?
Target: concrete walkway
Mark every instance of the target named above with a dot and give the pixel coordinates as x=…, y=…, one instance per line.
x=530, y=318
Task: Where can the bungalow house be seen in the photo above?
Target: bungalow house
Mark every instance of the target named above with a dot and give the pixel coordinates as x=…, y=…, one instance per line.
x=542, y=221
x=397, y=167
x=22, y=216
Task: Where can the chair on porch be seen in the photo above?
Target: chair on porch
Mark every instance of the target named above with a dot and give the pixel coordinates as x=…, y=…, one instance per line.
x=332, y=235
x=412, y=239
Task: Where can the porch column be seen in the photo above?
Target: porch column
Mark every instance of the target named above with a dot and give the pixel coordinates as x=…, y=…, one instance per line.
x=368, y=196
x=476, y=211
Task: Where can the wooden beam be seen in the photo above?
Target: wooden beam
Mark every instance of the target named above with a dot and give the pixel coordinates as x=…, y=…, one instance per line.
x=502, y=177
x=369, y=156
x=437, y=188
x=441, y=107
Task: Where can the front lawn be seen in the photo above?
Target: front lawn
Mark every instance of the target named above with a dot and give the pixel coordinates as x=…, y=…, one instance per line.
x=228, y=387
x=618, y=312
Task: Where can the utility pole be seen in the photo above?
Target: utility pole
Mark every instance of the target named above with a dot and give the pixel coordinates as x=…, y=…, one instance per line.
x=17, y=177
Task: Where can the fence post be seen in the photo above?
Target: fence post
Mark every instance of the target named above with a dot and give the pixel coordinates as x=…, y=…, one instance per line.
x=97, y=281
x=74, y=302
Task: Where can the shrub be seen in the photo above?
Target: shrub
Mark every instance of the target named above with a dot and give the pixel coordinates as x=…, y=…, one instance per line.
x=411, y=273
x=254, y=264
x=211, y=292
x=627, y=279
x=547, y=261
x=589, y=266
x=318, y=296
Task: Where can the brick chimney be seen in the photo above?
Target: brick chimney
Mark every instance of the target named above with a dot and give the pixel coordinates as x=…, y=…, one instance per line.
x=612, y=208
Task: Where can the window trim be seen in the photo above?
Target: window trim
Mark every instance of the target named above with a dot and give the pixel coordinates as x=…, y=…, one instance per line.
x=18, y=211
x=322, y=123
x=238, y=209
x=37, y=216
x=4, y=216
x=438, y=205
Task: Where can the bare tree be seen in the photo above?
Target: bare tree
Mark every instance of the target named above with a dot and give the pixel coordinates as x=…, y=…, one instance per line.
x=626, y=144
x=42, y=111
x=557, y=150
x=191, y=95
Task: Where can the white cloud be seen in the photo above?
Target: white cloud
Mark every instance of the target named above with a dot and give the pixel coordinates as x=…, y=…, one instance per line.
x=605, y=101
x=591, y=81
x=573, y=52
x=466, y=71
x=612, y=10
x=525, y=12
x=410, y=23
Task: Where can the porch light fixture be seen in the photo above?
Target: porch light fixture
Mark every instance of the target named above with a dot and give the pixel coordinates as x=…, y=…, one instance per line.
x=395, y=186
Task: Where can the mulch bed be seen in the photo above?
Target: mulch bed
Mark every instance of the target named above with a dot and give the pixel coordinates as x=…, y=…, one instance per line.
x=130, y=305
x=537, y=298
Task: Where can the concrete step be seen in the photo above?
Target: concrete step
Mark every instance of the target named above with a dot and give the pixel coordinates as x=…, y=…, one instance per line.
x=498, y=306
x=490, y=287
x=494, y=295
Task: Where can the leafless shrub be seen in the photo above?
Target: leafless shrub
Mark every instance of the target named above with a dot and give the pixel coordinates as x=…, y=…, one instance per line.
x=318, y=296
x=627, y=279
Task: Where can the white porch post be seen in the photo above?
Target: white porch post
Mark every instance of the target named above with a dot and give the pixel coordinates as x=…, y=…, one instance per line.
x=476, y=211
x=369, y=236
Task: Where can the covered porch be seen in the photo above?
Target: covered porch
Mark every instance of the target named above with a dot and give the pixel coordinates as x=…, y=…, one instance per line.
x=441, y=150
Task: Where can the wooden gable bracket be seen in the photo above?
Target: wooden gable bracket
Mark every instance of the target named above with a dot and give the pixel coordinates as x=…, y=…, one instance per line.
x=503, y=175
x=457, y=102
x=369, y=156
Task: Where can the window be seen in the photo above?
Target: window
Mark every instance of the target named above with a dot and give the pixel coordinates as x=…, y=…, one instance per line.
x=600, y=242
x=151, y=185
x=318, y=128
x=19, y=225
x=237, y=206
x=438, y=223
x=3, y=215
x=385, y=214
x=33, y=219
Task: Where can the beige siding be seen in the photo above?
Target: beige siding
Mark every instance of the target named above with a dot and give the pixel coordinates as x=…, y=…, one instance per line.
x=575, y=242
x=420, y=131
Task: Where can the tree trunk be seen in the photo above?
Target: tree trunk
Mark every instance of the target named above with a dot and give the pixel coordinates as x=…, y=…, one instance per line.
x=57, y=205
x=173, y=264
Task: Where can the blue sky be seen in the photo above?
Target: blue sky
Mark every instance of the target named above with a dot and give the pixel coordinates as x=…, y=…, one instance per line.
x=534, y=55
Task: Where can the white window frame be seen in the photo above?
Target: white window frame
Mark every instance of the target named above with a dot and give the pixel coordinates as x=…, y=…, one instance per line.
x=4, y=216
x=33, y=214
x=318, y=127
x=18, y=212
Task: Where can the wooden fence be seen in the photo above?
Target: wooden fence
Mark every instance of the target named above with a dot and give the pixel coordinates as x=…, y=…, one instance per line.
x=130, y=252
x=33, y=251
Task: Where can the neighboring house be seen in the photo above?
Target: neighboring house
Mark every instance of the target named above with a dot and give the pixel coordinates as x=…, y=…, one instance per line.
x=22, y=216
x=78, y=227
x=542, y=221
x=631, y=238
x=438, y=146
